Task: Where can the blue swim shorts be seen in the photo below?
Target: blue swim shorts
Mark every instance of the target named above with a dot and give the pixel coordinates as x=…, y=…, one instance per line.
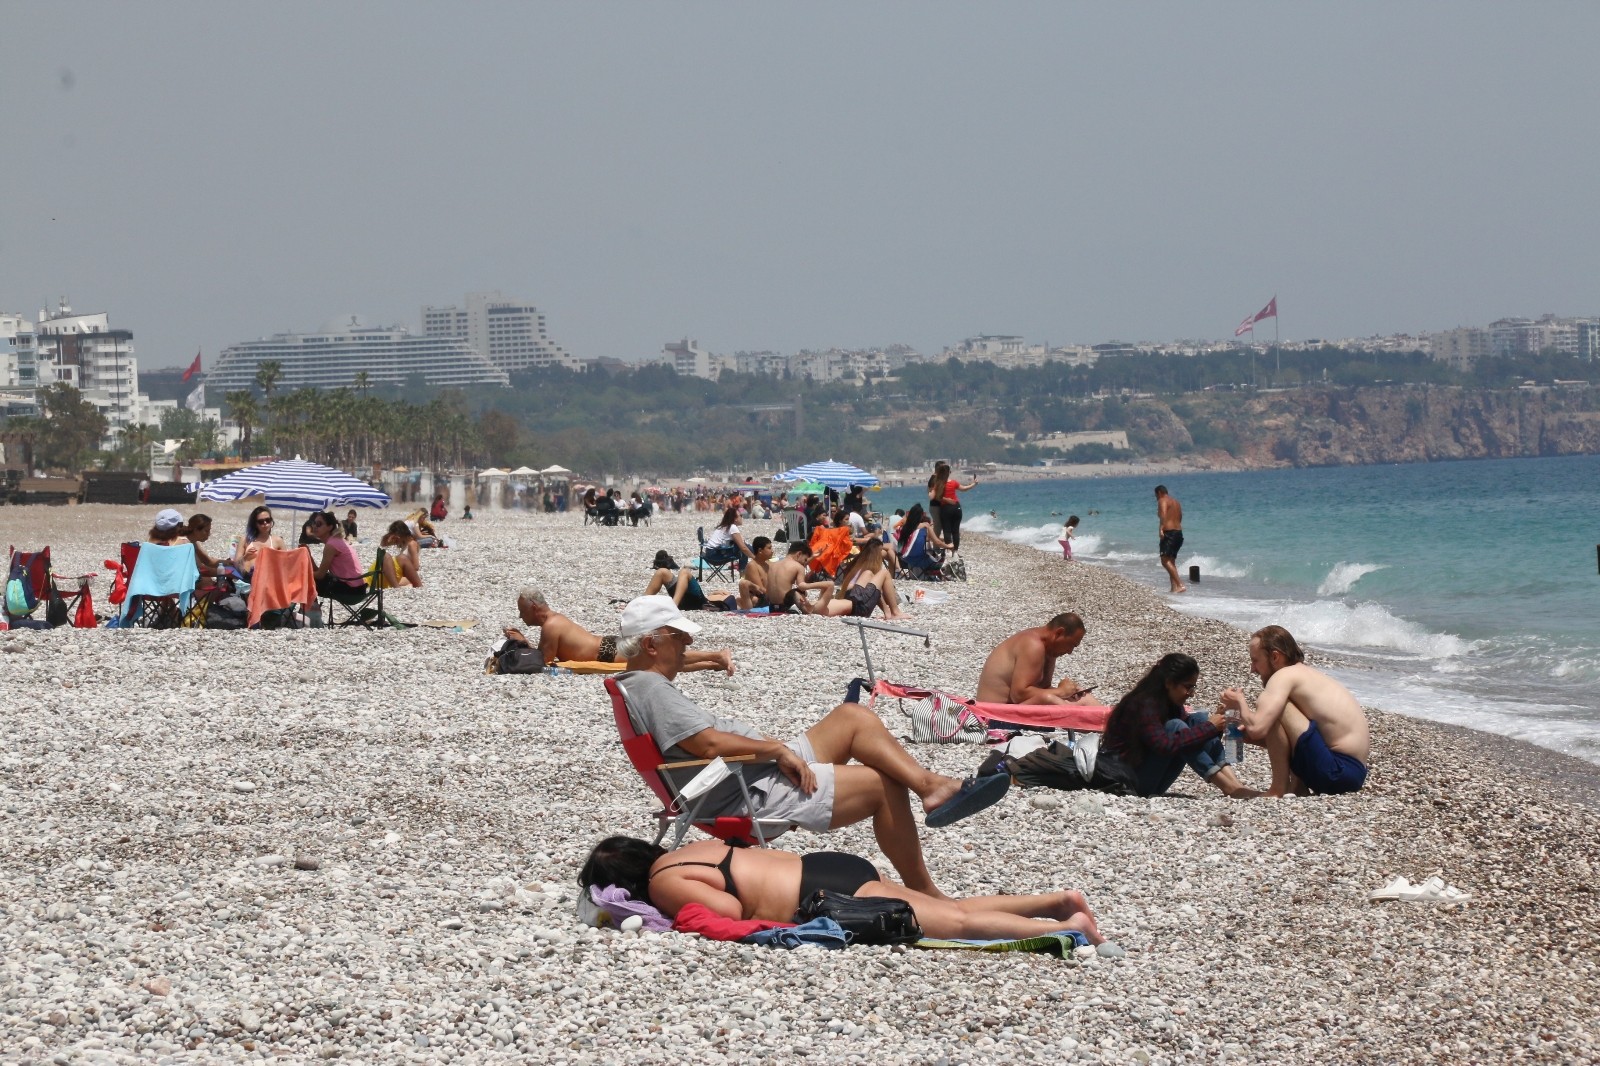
x=1323, y=770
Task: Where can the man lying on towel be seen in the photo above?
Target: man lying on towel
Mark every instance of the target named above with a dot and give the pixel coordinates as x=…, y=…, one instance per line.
x=1023, y=668
x=845, y=769
x=560, y=638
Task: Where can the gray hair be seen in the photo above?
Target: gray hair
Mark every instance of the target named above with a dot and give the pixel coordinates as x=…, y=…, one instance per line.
x=628, y=647
x=532, y=595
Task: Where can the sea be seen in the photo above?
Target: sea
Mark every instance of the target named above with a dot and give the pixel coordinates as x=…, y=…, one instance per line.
x=1465, y=592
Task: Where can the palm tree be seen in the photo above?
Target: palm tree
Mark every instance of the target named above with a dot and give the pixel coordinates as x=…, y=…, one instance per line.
x=268, y=373
x=363, y=381
x=24, y=431
x=246, y=412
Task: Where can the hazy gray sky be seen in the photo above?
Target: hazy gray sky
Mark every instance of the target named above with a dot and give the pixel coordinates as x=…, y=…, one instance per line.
x=801, y=175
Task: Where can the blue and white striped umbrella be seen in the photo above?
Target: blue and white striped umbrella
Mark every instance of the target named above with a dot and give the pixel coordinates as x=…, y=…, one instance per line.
x=834, y=475
x=295, y=484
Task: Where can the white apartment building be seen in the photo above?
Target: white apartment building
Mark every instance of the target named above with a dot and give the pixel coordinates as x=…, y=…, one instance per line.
x=19, y=367
x=692, y=361
x=1461, y=348
x=510, y=334
x=332, y=357
x=85, y=352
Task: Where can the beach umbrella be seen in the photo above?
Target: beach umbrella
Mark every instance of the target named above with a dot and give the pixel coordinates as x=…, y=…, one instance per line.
x=555, y=470
x=523, y=471
x=834, y=475
x=295, y=484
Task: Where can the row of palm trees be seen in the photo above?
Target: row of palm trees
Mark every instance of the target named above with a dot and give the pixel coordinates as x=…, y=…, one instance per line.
x=352, y=429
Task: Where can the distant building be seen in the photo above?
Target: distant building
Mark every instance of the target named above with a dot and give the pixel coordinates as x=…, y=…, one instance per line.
x=19, y=367
x=510, y=334
x=82, y=350
x=332, y=357
x=1461, y=348
x=690, y=360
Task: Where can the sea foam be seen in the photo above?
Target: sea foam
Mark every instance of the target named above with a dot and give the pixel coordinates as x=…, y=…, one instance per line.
x=1343, y=577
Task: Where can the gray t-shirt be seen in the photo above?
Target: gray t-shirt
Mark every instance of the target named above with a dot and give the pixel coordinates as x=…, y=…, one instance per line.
x=655, y=706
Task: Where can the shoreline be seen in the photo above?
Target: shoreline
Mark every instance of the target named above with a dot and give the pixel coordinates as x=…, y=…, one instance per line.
x=159, y=789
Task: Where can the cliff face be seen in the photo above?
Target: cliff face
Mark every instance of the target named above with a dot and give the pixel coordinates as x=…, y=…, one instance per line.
x=1347, y=427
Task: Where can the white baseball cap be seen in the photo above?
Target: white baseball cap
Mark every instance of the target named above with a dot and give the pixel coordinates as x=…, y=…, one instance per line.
x=168, y=519
x=646, y=614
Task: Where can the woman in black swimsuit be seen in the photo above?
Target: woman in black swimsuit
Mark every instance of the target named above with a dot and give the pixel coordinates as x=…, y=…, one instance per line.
x=743, y=883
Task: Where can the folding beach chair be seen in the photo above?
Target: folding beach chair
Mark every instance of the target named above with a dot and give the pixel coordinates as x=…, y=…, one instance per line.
x=361, y=606
x=666, y=780
x=722, y=566
x=160, y=592
x=31, y=580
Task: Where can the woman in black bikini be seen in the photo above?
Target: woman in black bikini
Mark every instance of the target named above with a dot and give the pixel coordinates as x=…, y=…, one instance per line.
x=743, y=883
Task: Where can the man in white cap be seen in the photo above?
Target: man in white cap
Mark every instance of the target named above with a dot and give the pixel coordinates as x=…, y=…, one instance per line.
x=843, y=770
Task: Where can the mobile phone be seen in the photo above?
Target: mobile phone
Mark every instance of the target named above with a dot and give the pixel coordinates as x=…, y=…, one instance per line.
x=1082, y=692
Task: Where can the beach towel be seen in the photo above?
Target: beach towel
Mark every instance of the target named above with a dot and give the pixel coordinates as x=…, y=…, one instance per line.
x=609, y=907
x=1061, y=944
x=163, y=570
x=581, y=667
x=1065, y=716
x=698, y=918
x=281, y=579
x=829, y=548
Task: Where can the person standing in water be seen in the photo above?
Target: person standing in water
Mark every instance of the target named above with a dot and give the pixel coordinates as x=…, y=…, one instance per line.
x=1068, y=531
x=1170, y=513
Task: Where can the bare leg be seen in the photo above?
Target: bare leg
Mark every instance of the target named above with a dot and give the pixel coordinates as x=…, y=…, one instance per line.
x=1170, y=565
x=891, y=596
x=859, y=793
x=977, y=919
x=658, y=581
x=1280, y=744
x=850, y=731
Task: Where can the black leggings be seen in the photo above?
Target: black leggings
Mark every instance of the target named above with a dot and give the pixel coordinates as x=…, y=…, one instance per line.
x=950, y=518
x=836, y=871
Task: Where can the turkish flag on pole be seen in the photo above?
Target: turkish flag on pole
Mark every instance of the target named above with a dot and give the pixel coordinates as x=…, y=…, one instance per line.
x=194, y=367
x=1269, y=311
x=1247, y=326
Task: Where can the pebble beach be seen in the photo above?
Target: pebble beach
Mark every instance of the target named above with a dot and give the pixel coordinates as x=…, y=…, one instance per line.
x=347, y=845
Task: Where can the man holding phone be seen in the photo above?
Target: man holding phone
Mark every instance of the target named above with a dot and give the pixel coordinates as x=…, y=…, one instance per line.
x=1023, y=668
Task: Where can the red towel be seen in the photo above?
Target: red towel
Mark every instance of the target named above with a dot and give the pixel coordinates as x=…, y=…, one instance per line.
x=698, y=918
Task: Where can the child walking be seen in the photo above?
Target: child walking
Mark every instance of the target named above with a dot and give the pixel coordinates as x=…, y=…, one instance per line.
x=1068, y=531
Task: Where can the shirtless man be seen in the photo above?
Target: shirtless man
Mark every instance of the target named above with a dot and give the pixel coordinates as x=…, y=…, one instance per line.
x=787, y=584
x=1022, y=669
x=1313, y=729
x=1170, y=512
x=562, y=638
x=753, y=585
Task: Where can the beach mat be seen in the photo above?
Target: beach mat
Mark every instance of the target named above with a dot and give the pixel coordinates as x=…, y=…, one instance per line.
x=579, y=667
x=1032, y=716
x=1059, y=944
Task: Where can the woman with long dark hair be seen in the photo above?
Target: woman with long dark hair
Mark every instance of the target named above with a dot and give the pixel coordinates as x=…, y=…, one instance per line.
x=257, y=535
x=1152, y=734
x=725, y=544
x=766, y=883
x=865, y=585
x=944, y=495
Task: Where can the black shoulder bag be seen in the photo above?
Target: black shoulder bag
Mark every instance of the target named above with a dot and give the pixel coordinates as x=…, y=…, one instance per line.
x=868, y=919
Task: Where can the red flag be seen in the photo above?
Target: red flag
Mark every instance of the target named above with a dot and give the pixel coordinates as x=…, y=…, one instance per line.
x=194, y=368
x=1247, y=326
x=1269, y=311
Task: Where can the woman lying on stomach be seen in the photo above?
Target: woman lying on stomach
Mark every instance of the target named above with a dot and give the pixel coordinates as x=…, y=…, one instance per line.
x=745, y=883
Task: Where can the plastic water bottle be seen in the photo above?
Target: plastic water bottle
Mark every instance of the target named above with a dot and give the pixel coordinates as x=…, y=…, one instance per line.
x=1237, y=735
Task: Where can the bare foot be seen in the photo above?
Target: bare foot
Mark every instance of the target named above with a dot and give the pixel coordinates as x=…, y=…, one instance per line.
x=940, y=793
x=1181, y=588
x=1084, y=923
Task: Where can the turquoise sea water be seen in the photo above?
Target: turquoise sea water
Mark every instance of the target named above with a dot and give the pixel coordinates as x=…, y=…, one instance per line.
x=1465, y=592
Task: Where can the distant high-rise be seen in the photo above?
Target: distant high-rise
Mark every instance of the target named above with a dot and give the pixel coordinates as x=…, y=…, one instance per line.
x=332, y=357
x=511, y=335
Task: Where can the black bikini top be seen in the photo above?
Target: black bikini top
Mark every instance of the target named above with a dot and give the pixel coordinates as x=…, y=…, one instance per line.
x=725, y=867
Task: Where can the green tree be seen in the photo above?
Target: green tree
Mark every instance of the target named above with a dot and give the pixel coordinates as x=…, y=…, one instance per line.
x=244, y=410
x=73, y=427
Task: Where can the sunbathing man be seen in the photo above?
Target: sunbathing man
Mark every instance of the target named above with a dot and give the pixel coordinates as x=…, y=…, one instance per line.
x=1022, y=669
x=787, y=584
x=811, y=781
x=1314, y=730
x=753, y=585
x=560, y=638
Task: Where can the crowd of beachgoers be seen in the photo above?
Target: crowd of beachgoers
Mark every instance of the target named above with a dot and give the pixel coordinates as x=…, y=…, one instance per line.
x=358, y=843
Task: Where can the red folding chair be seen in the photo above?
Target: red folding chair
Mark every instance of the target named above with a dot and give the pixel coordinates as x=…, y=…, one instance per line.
x=43, y=585
x=744, y=830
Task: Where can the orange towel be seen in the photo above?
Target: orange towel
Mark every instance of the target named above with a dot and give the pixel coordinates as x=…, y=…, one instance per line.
x=829, y=548
x=281, y=579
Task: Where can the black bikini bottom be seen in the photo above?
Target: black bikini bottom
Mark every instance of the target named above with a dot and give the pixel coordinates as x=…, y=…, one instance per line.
x=836, y=871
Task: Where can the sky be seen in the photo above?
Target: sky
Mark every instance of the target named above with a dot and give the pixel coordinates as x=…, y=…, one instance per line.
x=787, y=176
